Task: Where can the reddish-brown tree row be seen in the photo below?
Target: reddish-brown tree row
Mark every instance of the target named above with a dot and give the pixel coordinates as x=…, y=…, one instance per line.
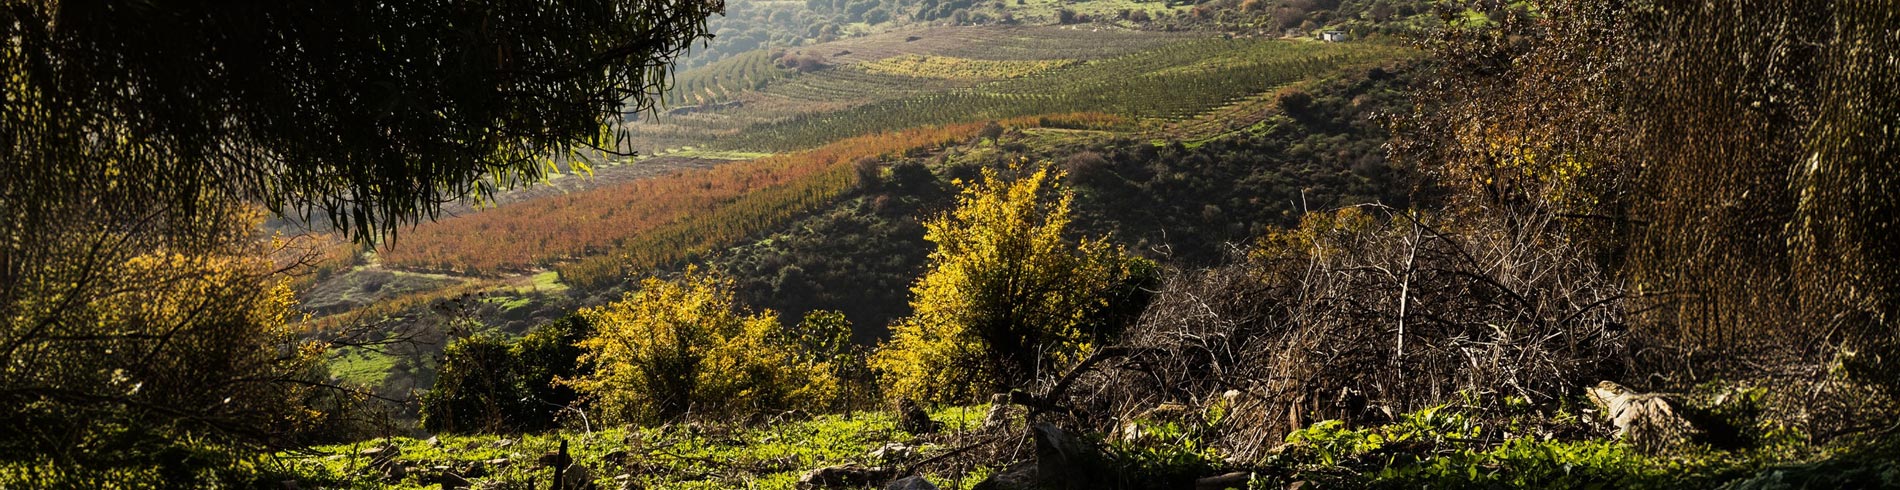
x=654, y=222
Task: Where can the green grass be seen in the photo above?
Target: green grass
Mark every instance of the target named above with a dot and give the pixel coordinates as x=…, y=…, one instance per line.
x=507, y=303
x=688, y=456
x=361, y=366
x=546, y=282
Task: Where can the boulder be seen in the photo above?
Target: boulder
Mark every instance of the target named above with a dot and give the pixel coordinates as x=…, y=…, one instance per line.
x=893, y=451
x=910, y=483
x=1063, y=461
x=844, y=476
x=1645, y=420
x=1237, y=479
x=577, y=477
x=450, y=480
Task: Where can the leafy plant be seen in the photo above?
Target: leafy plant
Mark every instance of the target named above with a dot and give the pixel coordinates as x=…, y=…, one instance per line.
x=1007, y=296
x=683, y=347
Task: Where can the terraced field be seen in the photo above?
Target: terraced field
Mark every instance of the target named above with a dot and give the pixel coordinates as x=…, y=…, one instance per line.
x=726, y=100
x=998, y=43
x=1172, y=82
x=951, y=67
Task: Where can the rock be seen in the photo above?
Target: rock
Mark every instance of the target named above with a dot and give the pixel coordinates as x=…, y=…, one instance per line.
x=1060, y=456
x=845, y=475
x=913, y=419
x=1062, y=462
x=1019, y=477
x=910, y=483
x=1645, y=420
x=382, y=453
x=450, y=480
x=1237, y=479
x=577, y=477
x=892, y=451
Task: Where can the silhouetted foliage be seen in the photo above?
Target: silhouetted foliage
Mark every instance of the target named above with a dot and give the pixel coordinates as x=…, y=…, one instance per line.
x=372, y=114
x=488, y=382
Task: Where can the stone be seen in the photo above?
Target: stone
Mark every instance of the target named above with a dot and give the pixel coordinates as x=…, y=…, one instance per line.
x=893, y=451
x=1645, y=420
x=450, y=480
x=1237, y=479
x=1021, y=476
x=912, y=482
x=1062, y=462
x=382, y=453
x=577, y=477
x=843, y=476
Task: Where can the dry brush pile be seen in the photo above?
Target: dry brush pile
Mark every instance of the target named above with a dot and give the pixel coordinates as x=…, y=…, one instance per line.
x=1366, y=313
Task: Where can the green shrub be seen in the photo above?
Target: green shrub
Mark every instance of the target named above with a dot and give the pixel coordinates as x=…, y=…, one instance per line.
x=1007, y=297
x=683, y=347
x=490, y=383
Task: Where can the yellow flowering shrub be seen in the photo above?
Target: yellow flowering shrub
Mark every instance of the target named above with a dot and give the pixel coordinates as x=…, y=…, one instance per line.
x=683, y=347
x=1007, y=298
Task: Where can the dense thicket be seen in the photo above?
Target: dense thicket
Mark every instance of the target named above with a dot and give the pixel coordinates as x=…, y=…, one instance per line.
x=1736, y=170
